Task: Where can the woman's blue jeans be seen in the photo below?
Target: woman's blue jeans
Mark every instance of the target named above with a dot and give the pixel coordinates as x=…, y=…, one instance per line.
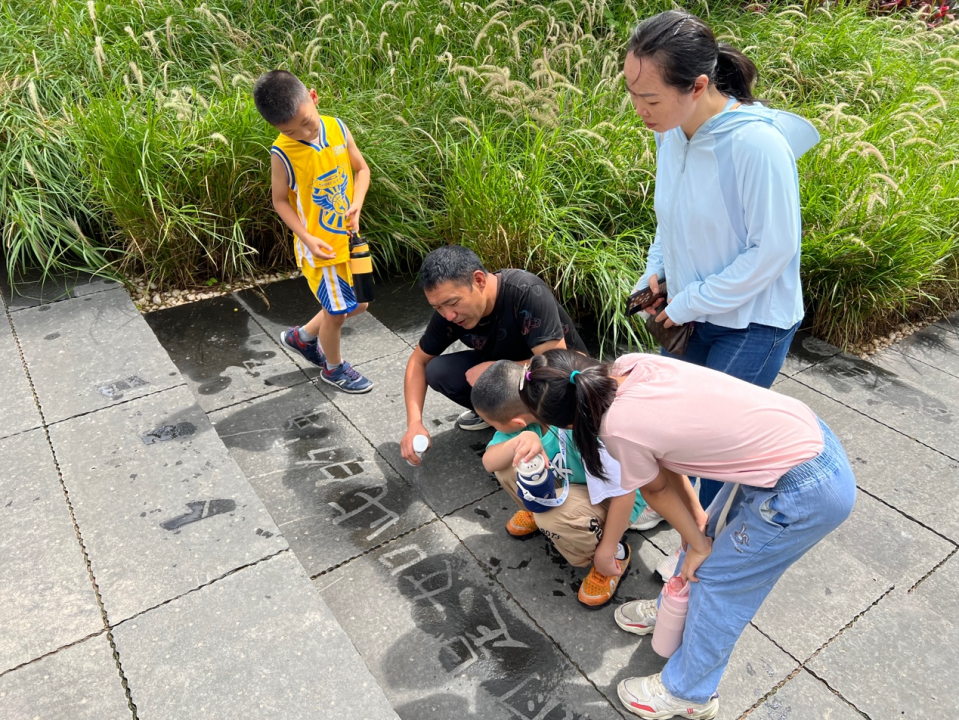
x=754, y=354
x=767, y=530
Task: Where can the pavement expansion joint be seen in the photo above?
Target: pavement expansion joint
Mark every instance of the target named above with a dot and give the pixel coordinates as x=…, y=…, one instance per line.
x=779, y=686
x=376, y=547
x=613, y=700
x=803, y=664
x=911, y=359
x=73, y=519
x=651, y=539
x=928, y=574
x=472, y=502
x=270, y=393
x=875, y=420
x=847, y=626
x=116, y=403
x=207, y=584
x=773, y=641
x=18, y=433
x=911, y=519
x=836, y=693
x=78, y=641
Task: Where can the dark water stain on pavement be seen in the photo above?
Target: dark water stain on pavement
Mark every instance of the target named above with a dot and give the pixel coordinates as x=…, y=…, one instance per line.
x=330, y=491
x=846, y=374
x=115, y=389
x=199, y=510
x=204, y=339
x=169, y=432
x=475, y=633
x=284, y=303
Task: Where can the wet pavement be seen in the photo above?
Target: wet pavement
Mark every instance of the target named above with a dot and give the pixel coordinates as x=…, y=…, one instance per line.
x=191, y=482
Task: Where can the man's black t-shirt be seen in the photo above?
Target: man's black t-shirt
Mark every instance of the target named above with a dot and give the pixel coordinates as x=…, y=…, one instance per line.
x=524, y=315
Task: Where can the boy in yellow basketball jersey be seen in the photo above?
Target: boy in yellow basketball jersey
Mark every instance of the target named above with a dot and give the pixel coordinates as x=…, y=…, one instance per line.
x=319, y=181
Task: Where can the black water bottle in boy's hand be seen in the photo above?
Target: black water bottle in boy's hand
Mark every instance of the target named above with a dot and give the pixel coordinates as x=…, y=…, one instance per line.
x=361, y=267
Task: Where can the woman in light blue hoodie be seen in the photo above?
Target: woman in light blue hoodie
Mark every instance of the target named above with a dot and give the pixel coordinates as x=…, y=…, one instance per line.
x=728, y=233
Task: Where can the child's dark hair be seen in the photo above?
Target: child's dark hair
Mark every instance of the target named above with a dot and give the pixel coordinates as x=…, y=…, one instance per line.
x=496, y=393
x=567, y=388
x=684, y=47
x=278, y=95
x=449, y=263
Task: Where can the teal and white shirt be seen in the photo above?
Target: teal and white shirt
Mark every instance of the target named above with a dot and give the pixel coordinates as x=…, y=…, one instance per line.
x=567, y=463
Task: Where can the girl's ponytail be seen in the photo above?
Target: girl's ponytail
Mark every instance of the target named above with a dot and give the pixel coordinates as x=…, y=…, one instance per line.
x=564, y=388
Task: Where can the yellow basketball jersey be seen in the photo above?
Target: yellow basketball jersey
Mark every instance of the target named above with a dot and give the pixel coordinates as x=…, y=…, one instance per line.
x=320, y=188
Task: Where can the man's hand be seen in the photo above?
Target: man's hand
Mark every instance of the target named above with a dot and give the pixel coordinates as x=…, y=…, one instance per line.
x=319, y=248
x=528, y=445
x=353, y=217
x=473, y=374
x=406, y=444
x=695, y=558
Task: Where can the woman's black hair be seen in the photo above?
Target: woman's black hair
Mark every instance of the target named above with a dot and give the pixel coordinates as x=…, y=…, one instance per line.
x=684, y=47
x=556, y=400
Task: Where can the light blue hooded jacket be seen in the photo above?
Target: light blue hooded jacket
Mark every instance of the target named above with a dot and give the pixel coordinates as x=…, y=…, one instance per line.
x=729, y=229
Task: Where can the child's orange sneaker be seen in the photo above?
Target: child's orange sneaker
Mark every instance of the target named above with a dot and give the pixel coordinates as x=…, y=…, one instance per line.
x=598, y=589
x=522, y=524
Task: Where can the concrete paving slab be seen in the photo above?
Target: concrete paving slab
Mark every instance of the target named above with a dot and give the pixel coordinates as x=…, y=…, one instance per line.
x=835, y=583
x=664, y=537
x=402, y=307
x=875, y=549
x=894, y=393
x=259, y=643
x=805, y=698
x=222, y=352
x=898, y=660
x=936, y=345
x=804, y=352
x=451, y=475
x=446, y=641
x=919, y=482
x=939, y=589
x=537, y=577
x=16, y=398
x=755, y=667
x=78, y=683
x=161, y=505
x=45, y=589
x=110, y=352
x=290, y=302
x=332, y=495
x=34, y=290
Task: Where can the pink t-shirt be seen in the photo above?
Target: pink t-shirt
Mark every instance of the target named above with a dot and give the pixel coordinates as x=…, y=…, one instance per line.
x=700, y=422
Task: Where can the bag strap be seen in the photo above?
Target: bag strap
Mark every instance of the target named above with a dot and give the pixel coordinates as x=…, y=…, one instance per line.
x=721, y=522
x=546, y=502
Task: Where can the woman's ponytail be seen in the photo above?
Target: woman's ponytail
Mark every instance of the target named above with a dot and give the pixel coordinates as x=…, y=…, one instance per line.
x=735, y=74
x=685, y=48
x=563, y=388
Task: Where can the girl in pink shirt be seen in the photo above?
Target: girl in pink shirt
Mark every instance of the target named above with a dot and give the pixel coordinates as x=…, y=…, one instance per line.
x=787, y=484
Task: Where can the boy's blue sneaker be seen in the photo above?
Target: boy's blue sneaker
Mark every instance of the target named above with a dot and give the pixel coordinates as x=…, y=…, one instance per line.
x=347, y=379
x=311, y=350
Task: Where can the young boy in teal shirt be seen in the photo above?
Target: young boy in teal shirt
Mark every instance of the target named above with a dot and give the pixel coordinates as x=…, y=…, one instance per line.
x=575, y=527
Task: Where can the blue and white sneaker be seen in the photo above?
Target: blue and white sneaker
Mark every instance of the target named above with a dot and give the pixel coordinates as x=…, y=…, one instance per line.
x=347, y=379
x=311, y=351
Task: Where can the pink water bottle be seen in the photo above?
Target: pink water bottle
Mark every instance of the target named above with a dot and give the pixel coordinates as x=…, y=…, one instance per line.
x=671, y=618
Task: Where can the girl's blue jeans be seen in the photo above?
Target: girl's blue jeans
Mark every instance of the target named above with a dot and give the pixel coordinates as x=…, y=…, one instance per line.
x=755, y=354
x=767, y=530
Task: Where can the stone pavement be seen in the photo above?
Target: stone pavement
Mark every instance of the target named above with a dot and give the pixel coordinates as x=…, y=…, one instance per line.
x=155, y=569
